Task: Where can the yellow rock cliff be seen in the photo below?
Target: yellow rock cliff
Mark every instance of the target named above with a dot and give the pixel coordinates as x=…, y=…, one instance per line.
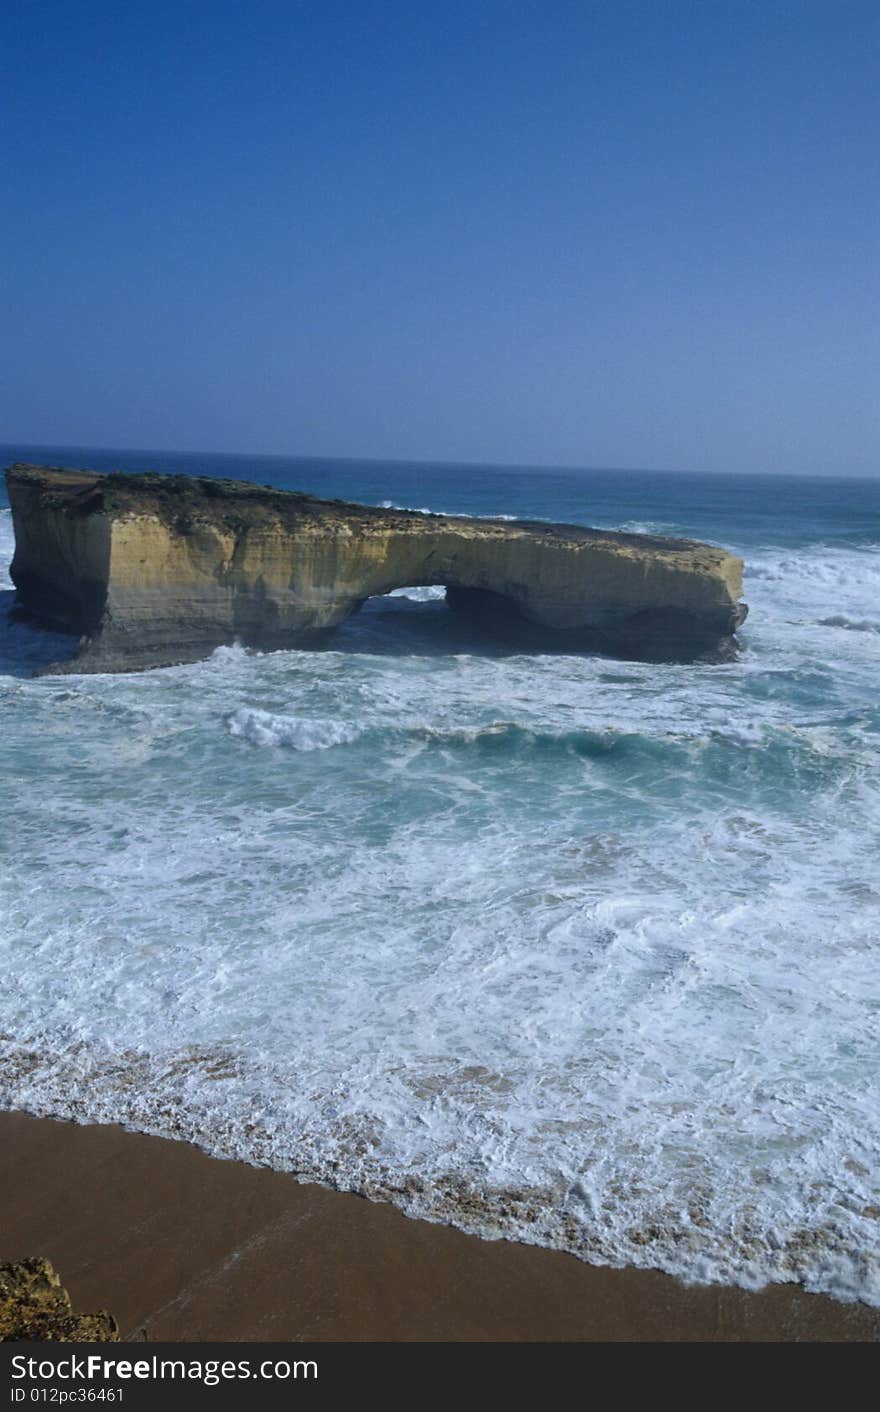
x=153, y=570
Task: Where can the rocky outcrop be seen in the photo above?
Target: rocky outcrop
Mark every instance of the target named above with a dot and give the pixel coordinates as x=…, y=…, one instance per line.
x=153, y=570
x=35, y=1309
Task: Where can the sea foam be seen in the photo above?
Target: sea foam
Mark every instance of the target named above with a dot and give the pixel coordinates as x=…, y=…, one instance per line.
x=574, y=951
x=264, y=728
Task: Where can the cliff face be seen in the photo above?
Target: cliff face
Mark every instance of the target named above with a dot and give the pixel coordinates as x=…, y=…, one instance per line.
x=154, y=570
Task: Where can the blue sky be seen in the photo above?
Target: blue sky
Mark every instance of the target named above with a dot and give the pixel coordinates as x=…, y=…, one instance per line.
x=634, y=234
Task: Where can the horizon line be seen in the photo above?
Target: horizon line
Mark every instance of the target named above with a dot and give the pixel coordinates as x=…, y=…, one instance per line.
x=427, y=461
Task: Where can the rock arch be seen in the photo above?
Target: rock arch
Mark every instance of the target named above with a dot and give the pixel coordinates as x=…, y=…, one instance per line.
x=152, y=570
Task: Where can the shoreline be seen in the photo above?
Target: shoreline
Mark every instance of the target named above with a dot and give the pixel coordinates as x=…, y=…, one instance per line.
x=184, y=1247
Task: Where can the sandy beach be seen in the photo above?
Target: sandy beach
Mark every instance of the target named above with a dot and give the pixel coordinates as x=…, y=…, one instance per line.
x=182, y=1247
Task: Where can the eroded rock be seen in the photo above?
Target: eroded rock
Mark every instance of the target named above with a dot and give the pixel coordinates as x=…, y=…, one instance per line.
x=35, y=1308
x=153, y=570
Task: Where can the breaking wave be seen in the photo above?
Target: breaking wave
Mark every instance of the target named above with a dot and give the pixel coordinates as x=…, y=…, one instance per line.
x=578, y=952
x=448, y=514
x=262, y=728
x=839, y=620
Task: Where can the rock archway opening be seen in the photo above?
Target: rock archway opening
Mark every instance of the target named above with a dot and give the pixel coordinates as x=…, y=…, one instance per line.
x=437, y=619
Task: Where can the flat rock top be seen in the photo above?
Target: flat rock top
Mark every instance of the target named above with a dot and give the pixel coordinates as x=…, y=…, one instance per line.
x=241, y=504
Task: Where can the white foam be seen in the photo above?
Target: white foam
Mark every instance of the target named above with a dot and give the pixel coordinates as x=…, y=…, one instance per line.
x=264, y=728
x=447, y=514
x=651, y=527
x=426, y=593
x=7, y=547
x=576, y=951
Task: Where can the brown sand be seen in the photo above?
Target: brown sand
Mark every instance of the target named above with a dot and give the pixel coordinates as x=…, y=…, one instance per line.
x=180, y=1246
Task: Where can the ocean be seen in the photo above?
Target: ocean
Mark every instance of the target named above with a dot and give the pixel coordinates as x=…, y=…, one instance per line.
x=581, y=952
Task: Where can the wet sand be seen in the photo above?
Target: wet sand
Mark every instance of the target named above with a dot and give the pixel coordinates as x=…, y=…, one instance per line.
x=180, y=1246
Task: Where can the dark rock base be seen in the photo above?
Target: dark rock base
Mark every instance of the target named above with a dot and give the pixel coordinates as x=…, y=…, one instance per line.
x=34, y=1308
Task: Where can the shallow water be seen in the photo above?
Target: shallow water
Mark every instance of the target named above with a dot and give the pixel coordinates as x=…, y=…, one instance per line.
x=580, y=951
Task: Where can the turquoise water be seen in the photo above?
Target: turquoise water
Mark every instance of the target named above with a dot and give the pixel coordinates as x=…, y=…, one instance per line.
x=579, y=951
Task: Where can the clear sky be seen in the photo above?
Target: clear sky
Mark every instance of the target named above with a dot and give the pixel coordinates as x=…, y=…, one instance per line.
x=617, y=233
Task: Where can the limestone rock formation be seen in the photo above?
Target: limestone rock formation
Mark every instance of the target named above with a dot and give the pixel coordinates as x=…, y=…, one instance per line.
x=35, y=1308
x=152, y=570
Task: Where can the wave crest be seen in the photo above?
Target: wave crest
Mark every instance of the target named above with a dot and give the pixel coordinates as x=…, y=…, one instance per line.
x=840, y=620
x=296, y=733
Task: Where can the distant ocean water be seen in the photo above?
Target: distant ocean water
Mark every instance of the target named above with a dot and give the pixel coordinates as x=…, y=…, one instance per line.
x=582, y=952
